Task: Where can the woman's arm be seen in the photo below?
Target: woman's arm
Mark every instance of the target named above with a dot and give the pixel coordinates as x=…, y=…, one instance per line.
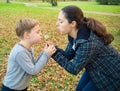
x=82, y=57
x=69, y=53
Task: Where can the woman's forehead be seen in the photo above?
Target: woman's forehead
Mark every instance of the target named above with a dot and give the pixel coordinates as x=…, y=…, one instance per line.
x=61, y=15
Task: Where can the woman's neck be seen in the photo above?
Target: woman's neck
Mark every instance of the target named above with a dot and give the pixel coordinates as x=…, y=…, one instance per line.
x=73, y=33
x=26, y=44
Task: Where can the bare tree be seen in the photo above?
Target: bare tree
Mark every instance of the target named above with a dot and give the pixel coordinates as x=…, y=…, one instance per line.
x=53, y=2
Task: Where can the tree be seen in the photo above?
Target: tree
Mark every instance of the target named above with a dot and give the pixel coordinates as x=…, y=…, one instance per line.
x=109, y=2
x=8, y=1
x=53, y=2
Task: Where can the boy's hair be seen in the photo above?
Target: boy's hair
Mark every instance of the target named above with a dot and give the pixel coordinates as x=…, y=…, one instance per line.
x=25, y=25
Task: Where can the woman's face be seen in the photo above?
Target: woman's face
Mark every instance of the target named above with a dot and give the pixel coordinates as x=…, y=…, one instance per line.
x=63, y=25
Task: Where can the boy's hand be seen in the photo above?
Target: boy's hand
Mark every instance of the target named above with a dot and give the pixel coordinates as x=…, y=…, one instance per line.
x=49, y=43
x=50, y=49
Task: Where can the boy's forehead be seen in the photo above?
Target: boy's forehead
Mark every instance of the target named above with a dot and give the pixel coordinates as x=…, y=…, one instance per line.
x=36, y=27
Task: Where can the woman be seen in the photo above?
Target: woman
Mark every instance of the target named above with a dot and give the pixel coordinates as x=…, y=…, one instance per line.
x=89, y=47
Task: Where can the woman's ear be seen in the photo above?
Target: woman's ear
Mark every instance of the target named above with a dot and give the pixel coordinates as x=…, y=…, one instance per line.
x=74, y=23
x=26, y=35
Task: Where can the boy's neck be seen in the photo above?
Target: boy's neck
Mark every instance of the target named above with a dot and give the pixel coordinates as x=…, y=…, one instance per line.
x=26, y=44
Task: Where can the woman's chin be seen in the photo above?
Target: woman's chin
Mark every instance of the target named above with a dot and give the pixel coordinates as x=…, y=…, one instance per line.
x=61, y=32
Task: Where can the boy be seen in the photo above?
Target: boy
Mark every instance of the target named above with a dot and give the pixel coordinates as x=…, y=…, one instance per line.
x=21, y=64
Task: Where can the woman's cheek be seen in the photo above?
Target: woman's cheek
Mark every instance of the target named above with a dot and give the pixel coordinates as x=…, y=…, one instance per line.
x=61, y=30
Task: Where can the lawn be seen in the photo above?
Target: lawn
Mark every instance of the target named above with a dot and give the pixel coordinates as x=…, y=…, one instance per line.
x=52, y=77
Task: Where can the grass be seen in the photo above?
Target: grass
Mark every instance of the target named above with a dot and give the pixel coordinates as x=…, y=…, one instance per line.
x=52, y=77
x=85, y=6
x=93, y=6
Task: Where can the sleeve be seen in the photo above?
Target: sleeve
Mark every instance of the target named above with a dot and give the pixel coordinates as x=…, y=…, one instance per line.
x=69, y=53
x=24, y=60
x=81, y=59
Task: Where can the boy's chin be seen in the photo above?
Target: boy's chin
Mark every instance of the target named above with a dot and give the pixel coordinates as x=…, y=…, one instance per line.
x=38, y=42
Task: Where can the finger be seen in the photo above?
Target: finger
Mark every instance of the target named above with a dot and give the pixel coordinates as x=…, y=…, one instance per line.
x=54, y=49
x=45, y=46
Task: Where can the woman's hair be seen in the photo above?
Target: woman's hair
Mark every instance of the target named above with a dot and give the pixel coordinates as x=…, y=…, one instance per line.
x=73, y=13
x=25, y=25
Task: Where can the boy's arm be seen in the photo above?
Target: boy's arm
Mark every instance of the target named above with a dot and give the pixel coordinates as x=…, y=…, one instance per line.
x=26, y=62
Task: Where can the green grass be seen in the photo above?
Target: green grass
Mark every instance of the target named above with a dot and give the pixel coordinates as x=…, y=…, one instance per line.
x=85, y=6
x=92, y=6
x=52, y=77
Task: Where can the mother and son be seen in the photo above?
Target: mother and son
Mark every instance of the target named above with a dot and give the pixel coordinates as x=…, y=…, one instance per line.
x=89, y=47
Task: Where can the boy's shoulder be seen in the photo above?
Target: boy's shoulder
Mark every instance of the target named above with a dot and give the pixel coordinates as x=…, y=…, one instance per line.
x=17, y=48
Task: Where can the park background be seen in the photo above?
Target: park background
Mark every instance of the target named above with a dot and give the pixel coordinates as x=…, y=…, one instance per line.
x=52, y=77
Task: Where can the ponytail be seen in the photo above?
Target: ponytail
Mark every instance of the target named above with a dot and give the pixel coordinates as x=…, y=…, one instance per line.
x=99, y=29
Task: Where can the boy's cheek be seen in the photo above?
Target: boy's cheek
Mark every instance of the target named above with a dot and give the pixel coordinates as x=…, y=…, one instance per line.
x=39, y=39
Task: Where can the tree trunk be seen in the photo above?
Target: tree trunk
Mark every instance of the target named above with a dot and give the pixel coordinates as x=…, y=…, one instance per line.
x=54, y=2
x=8, y=1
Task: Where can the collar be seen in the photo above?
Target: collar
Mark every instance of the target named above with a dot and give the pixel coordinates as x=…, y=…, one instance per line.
x=82, y=35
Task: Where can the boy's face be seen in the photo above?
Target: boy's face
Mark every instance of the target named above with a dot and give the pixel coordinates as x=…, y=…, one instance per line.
x=35, y=35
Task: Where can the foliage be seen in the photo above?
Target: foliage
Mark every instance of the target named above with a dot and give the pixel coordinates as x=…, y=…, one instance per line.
x=109, y=2
x=52, y=77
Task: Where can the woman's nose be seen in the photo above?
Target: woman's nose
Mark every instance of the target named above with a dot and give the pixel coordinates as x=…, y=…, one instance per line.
x=57, y=23
x=40, y=34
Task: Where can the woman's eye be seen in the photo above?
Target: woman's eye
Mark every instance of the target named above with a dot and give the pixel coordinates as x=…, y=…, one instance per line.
x=60, y=22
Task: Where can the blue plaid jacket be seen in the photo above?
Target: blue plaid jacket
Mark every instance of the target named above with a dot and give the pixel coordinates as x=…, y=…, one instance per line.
x=102, y=62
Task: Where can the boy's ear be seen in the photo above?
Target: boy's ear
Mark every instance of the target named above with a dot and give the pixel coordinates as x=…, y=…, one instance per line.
x=74, y=23
x=26, y=35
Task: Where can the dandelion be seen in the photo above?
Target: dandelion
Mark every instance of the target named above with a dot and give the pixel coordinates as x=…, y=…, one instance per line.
x=46, y=36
